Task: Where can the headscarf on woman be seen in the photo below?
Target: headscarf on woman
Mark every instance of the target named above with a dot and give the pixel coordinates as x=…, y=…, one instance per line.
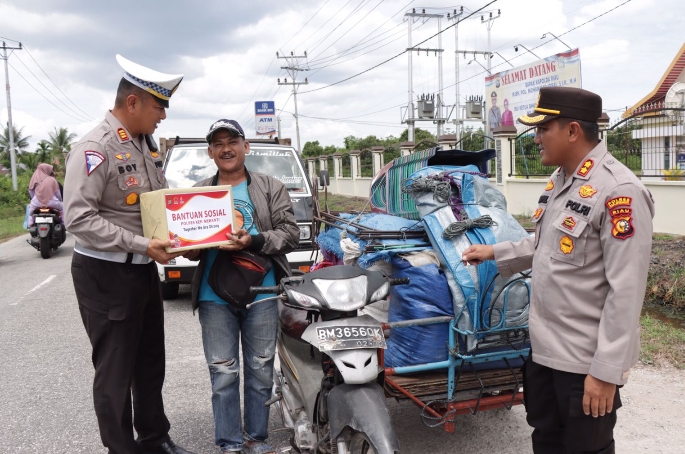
x=43, y=184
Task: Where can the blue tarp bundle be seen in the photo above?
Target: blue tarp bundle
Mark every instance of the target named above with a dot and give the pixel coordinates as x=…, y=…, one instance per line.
x=418, y=344
x=330, y=238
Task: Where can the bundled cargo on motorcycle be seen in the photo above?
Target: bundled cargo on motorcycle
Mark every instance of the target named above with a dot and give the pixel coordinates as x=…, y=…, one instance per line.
x=411, y=258
x=192, y=218
x=460, y=207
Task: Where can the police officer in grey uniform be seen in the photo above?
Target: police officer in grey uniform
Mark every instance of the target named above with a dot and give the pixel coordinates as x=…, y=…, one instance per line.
x=590, y=257
x=113, y=267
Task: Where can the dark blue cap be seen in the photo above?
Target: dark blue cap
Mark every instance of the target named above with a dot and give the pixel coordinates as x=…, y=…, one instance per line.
x=230, y=125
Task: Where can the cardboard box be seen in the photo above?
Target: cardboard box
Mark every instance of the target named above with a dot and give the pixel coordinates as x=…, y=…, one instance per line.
x=192, y=218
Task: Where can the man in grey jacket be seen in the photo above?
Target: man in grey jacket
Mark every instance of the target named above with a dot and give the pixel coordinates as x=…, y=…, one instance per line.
x=263, y=207
x=590, y=256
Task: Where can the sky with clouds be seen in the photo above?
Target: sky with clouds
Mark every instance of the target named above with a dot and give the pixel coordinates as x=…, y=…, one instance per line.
x=67, y=75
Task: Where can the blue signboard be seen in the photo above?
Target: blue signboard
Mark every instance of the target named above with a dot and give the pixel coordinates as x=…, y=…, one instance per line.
x=265, y=117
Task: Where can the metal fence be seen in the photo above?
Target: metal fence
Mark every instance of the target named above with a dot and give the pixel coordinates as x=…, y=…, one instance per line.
x=650, y=142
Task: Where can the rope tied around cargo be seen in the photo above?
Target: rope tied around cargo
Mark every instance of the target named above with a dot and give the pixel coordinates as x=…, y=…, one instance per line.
x=460, y=227
x=441, y=189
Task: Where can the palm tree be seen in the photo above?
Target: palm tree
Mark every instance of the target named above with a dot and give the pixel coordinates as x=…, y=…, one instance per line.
x=43, y=151
x=60, y=144
x=21, y=143
x=30, y=161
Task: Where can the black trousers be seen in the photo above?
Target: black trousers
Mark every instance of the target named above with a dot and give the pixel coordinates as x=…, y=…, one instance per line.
x=554, y=406
x=122, y=311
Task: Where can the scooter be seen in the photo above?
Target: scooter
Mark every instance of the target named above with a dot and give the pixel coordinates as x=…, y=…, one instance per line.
x=47, y=232
x=329, y=386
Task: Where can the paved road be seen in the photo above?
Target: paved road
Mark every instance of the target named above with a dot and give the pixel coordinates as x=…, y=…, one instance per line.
x=46, y=374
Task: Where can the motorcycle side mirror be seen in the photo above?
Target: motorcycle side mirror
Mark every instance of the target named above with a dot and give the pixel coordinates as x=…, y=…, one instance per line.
x=324, y=179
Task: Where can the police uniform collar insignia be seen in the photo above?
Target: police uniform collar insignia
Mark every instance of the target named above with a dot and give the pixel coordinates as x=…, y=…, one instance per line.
x=123, y=135
x=93, y=160
x=538, y=213
x=550, y=185
x=587, y=191
x=159, y=85
x=154, y=154
x=123, y=156
x=585, y=168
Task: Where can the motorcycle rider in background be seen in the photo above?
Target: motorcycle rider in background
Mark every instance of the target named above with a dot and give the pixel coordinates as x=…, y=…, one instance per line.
x=44, y=191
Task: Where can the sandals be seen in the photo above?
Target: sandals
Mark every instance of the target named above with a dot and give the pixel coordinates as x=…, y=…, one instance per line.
x=258, y=447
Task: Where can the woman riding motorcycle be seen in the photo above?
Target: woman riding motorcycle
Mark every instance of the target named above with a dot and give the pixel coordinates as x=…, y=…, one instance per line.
x=44, y=191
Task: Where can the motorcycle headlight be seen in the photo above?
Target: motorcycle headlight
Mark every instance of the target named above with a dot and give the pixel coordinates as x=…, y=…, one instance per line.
x=343, y=294
x=305, y=232
x=304, y=300
x=381, y=293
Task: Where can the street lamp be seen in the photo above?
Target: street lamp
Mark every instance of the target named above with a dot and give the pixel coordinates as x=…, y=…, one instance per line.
x=479, y=64
x=516, y=49
x=500, y=56
x=557, y=38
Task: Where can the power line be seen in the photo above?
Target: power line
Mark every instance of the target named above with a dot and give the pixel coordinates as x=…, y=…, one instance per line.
x=351, y=28
x=53, y=83
x=401, y=53
x=323, y=25
x=49, y=91
x=357, y=8
x=364, y=38
x=302, y=28
x=38, y=91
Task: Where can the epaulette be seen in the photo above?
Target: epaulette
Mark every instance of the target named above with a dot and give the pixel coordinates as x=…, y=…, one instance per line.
x=618, y=170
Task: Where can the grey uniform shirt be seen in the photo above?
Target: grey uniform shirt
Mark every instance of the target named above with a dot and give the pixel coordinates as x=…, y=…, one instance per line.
x=106, y=172
x=590, y=257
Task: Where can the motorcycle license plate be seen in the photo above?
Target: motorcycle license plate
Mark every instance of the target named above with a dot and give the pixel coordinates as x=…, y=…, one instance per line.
x=350, y=337
x=42, y=219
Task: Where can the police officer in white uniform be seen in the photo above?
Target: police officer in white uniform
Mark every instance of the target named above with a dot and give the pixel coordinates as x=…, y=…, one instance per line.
x=590, y=257
x=113, y=267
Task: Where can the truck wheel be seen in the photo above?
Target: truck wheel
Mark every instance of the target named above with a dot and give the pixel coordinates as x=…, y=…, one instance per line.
x=170, y=290
x=45, y=249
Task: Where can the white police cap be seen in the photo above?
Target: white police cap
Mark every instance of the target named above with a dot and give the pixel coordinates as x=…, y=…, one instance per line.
x=159, y=85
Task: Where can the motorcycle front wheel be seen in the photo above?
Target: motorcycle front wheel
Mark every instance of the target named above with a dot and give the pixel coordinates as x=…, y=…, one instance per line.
x=360, y=444
x=45, y=249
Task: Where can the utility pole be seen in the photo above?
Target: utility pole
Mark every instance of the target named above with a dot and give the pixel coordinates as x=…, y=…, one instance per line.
x=13, y=158
x=411, y=119
x=457, y=106
x=489, y=22
x=293, y=68
x=278, y=119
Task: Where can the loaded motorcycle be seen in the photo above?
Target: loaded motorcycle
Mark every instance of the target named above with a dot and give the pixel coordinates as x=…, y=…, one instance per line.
x=47, y=232
x=328, y=388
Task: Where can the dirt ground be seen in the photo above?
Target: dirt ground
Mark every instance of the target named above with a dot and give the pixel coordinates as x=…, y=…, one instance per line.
x=666, y=284
x=651, y=420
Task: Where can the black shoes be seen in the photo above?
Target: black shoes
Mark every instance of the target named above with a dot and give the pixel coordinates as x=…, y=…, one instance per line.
x=168, y=447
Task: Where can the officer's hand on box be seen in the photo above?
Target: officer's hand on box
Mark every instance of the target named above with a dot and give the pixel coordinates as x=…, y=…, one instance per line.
x=157, y=252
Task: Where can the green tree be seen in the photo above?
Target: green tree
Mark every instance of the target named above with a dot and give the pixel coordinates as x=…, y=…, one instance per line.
x=30, y=161
x=60, y=144
x=420, y=135
x=312, y=149
x=21, y=143
x=43, y=151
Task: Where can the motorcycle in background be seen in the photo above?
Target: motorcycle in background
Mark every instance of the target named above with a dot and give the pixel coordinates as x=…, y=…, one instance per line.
x=328, y=387
x=47, y=231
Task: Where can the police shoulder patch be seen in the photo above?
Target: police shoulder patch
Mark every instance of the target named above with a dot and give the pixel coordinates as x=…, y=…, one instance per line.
x=621, y=217
x=93, y=160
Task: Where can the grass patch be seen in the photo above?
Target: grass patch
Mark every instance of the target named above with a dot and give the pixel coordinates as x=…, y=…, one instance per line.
x=525, y=220
x=11, y=220
x=661, y=343
x=344, y=203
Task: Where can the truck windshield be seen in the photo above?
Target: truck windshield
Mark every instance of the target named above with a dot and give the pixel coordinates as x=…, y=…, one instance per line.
x=187, y=166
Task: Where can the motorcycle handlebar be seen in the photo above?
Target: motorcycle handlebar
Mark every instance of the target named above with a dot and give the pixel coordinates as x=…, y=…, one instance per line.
x=400, y=281
x=259, y=290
